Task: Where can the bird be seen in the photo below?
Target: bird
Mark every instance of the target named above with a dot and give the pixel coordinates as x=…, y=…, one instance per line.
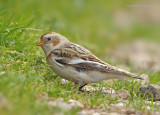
x=75, y=63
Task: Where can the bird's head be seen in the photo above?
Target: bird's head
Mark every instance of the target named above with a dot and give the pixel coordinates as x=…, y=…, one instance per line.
x=50, y=41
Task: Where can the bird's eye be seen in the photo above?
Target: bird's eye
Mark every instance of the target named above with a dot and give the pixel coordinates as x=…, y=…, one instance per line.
x=49, y=38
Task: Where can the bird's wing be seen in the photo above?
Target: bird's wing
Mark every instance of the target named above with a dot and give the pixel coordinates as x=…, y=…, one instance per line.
x=83, y=53
x=68, y=56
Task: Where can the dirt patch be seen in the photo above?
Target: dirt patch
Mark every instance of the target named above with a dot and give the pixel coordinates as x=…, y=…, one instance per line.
x=112, y=111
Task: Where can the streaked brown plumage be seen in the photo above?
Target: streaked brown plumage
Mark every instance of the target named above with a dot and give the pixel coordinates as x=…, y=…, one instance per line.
x=74, y=62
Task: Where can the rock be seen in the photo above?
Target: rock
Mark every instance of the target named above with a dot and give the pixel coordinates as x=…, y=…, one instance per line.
x=133, y=112
x=59, y=103
x=90, y=88
x=113, y=110
x=122, y=94
x=120, y=104
x=75, y=103
x=156, y=113
x=63, y=81
x=82, y=113
x=150, y=102
x=97, y=112
x=157, y=102
x=108, y=90
x=104, y=89
x=149, y=91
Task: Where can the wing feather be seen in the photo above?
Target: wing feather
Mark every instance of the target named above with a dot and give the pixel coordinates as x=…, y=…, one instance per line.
x=79, y=57
x=82, y=52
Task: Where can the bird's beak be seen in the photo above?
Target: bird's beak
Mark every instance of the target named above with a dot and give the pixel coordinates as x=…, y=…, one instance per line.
x=40, y=43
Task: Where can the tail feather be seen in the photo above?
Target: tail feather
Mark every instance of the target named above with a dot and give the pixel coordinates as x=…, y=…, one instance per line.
x=136, y=76
x=128, y=74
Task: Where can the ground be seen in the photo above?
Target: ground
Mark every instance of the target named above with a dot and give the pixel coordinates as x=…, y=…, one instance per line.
x=28, y=86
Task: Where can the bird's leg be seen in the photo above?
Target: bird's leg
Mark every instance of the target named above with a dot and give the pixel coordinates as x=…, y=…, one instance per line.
x=81, y=86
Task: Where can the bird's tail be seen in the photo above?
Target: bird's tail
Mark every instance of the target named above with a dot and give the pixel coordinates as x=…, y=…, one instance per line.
x=127, y=74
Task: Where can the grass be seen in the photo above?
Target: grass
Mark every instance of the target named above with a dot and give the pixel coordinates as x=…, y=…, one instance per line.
x=24, y=73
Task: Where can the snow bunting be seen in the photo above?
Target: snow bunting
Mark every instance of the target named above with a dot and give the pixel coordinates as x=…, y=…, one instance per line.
x=74, y=62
